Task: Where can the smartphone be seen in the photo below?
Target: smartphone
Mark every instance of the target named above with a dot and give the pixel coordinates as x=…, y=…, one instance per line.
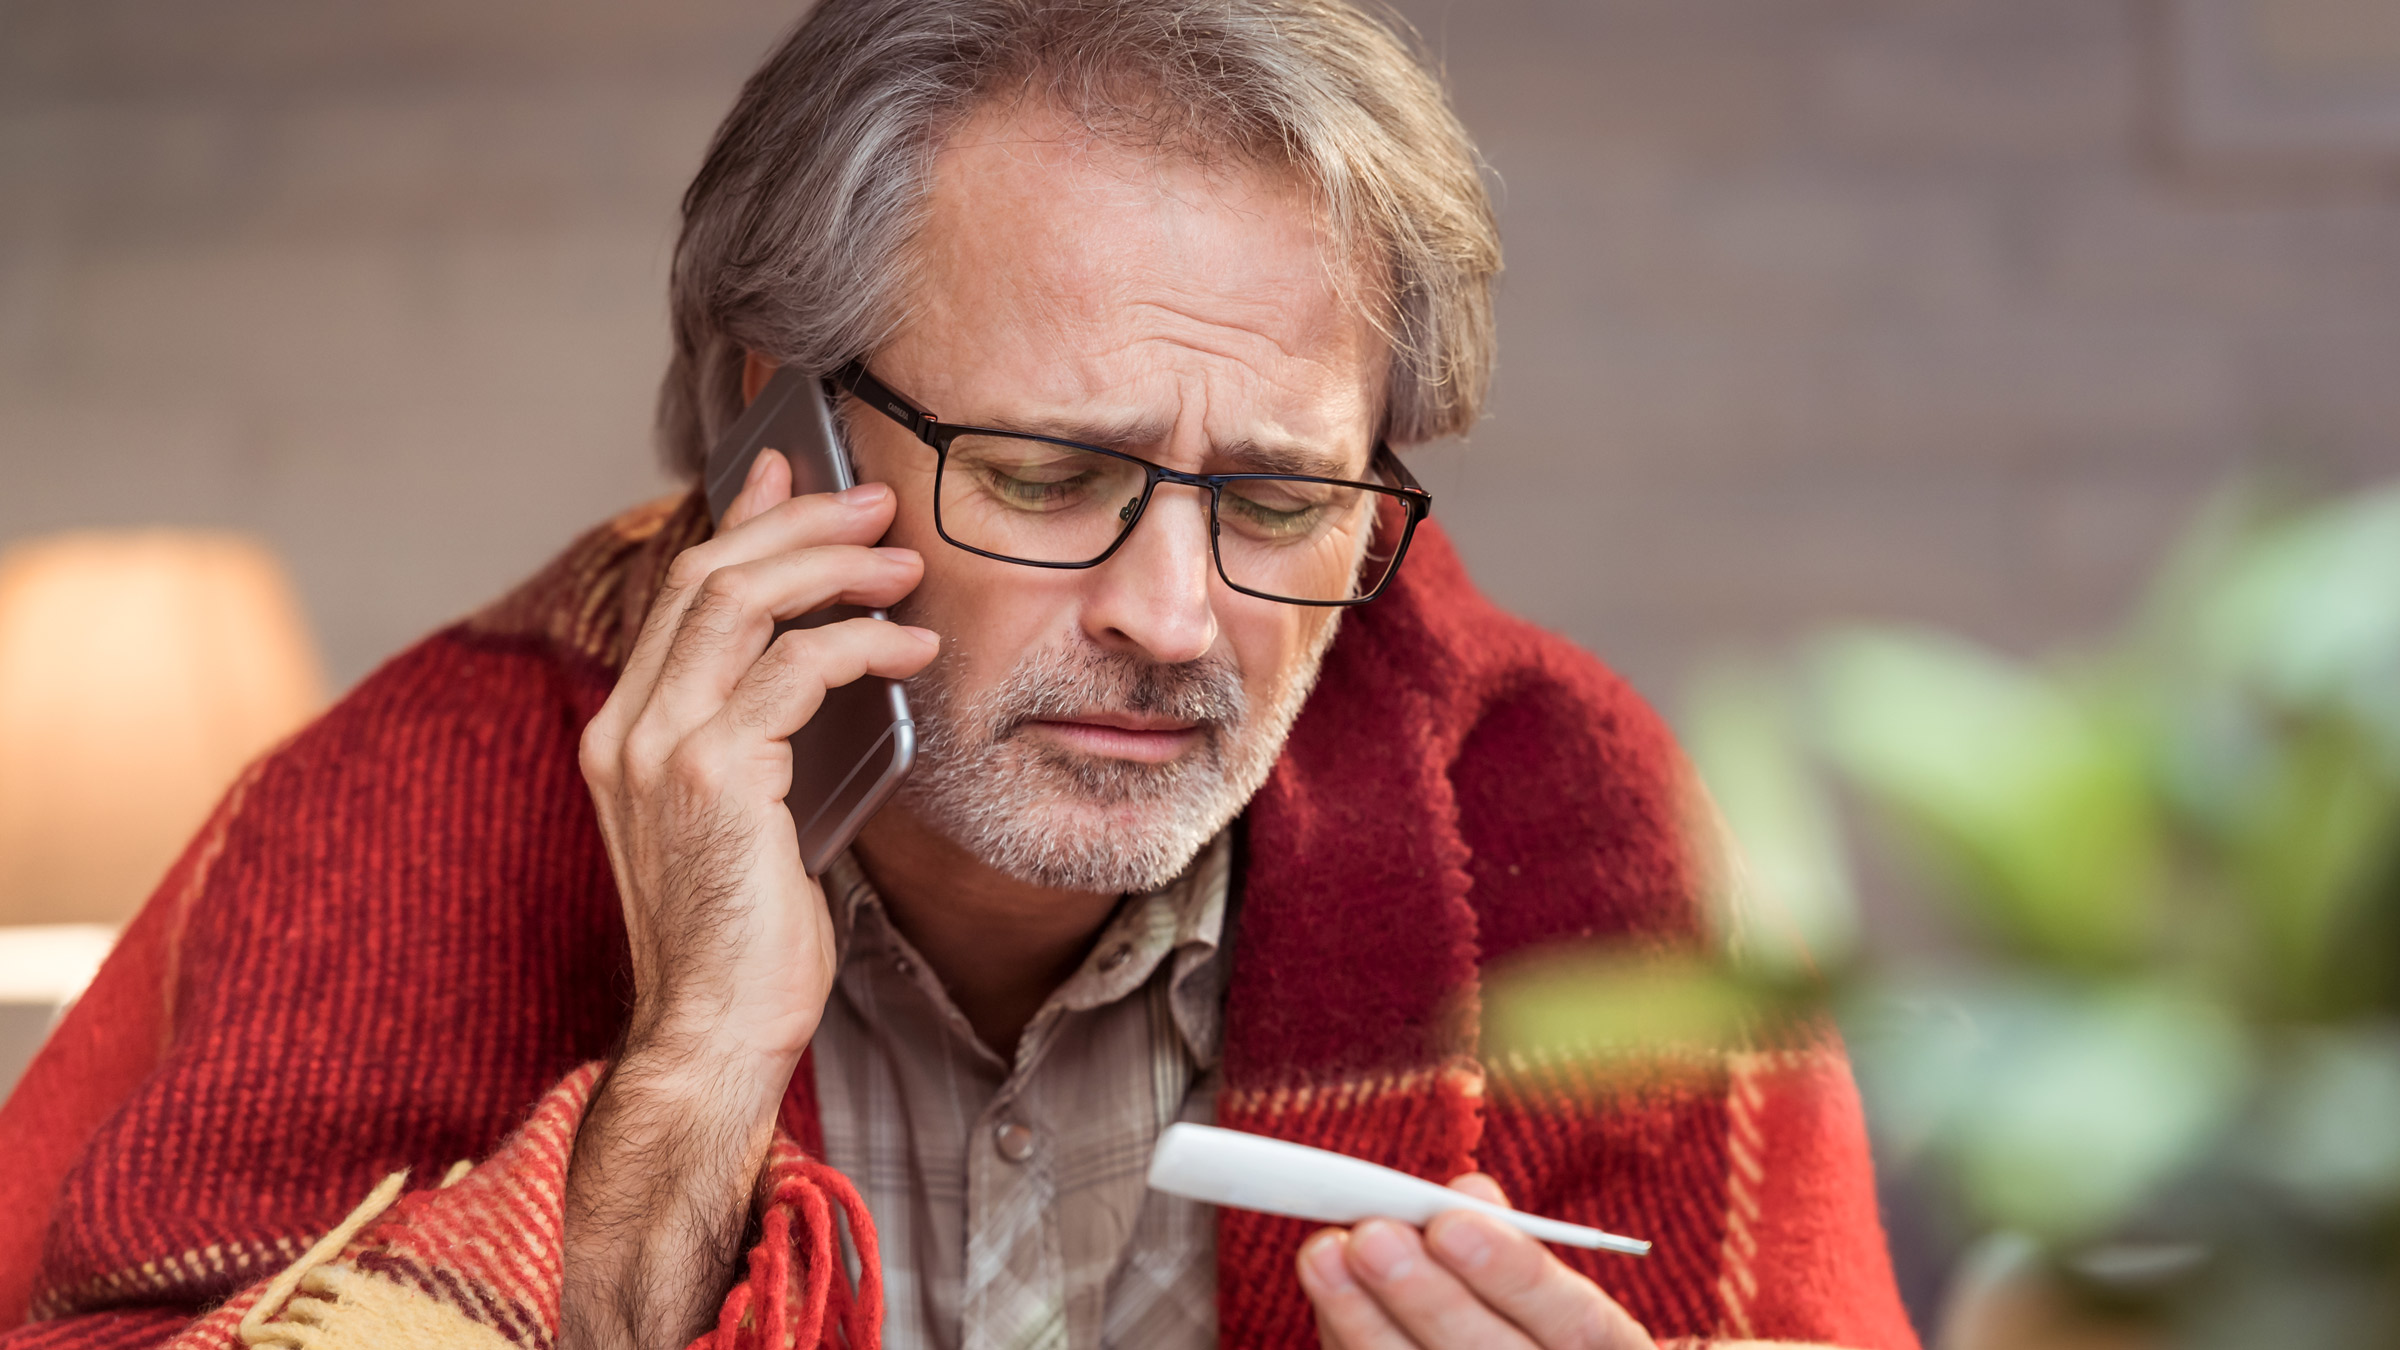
x=850, y=758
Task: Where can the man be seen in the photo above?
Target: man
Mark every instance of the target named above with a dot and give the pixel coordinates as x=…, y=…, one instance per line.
x=1123, y=303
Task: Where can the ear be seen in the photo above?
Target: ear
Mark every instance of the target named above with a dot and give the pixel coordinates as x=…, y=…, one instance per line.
x=756, y=371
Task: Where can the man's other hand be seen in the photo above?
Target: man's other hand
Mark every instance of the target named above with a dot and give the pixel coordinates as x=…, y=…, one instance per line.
x=1468, y=1281
x=733, y=951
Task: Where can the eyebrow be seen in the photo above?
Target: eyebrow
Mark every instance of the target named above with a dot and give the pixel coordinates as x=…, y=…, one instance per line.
x=1256, y=458
x=1244, y=456
x=1108, y=435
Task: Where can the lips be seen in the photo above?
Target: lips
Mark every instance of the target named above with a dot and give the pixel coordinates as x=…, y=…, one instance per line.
x=1126, y=721
x=1113, y=735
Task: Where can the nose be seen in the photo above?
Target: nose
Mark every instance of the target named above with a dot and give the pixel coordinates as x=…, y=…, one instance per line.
x=1155, y=595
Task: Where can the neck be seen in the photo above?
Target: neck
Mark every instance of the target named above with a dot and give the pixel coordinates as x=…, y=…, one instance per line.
x=1000, y=946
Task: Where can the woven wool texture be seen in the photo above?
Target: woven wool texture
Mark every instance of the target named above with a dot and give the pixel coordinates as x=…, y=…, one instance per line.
x=399, y=933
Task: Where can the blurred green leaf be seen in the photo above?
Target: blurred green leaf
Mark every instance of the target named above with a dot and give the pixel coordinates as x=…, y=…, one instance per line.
x=1619, y=1014
x=2310, y=613
x=2060, y=1107
x=2034, y=802
x=2306, y=858
x=2330, y=1123
x=1787, y=904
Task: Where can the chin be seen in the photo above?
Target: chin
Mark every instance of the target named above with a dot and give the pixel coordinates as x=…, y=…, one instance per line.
x=1104, y=826
x=1104, y=853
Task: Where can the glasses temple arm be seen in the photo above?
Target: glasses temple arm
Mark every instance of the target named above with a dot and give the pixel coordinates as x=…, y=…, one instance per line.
x=1385, y=455
x=854, y=380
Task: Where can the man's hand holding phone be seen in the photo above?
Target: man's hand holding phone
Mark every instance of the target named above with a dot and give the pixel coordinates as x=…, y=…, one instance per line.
x=689, y=762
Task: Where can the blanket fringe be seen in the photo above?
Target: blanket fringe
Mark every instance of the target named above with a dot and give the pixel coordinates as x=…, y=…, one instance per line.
x=255, y=1327
x=778, y=1306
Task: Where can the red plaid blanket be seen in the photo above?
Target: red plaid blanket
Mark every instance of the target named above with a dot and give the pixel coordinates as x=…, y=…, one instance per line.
x=397, y=947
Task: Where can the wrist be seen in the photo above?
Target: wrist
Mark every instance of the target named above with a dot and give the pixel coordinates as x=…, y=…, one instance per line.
x=699, y=1076
x=727, y=1017
x=660, y=1183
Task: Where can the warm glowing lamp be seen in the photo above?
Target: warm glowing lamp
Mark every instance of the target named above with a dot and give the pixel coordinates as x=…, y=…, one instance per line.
x=139, y=671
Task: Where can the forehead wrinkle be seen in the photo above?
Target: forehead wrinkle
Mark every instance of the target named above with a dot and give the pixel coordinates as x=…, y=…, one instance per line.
x=1280, y=373
x=1265, y=320
x=1201, y=325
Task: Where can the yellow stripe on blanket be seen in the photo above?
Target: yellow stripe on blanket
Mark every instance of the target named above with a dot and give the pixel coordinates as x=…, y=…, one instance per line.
x=338, y=1308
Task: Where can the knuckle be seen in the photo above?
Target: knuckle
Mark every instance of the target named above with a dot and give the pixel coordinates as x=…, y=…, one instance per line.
x=799, y=650
x=856, y=641
x=709, y=622
x=791, y=677
x=725, y=588
x=690, y=568
x=596, y=756
x=691, y=768
x=647, y=747
x=755, y=709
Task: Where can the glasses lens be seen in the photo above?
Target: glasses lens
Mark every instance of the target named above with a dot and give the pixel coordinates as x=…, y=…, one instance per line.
x=1307, y=540
x=1036, y=501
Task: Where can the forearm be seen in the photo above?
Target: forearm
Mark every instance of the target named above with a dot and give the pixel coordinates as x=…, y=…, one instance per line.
x=732, y=947
x=658, y=1196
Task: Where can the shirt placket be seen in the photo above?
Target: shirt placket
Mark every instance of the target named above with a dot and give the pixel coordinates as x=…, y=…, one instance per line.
x=1016, y=1259
x=1016, y=1264
x=1015, y=1287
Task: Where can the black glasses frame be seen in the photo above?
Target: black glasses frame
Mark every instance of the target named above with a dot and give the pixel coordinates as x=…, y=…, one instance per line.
x=854, y=380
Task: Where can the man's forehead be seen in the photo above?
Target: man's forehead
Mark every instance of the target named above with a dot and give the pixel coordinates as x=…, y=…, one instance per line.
x=1043, y=236
x=1029, y=146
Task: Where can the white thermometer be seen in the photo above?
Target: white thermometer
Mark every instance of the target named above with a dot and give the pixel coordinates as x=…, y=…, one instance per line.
x=1251, y=1171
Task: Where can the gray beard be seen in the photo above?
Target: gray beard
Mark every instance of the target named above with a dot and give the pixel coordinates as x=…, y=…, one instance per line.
x=1050, y=817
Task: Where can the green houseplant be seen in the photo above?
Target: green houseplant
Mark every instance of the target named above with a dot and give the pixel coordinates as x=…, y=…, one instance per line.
x=2159, y=1053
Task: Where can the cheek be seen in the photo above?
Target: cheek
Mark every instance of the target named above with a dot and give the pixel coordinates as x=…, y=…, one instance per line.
x=1272, y=643
x=913, y=527
x=990, y=614
x=908, y=468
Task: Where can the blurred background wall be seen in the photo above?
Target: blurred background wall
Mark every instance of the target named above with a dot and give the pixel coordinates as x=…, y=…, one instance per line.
x=1944, y=310
x=1815, y=308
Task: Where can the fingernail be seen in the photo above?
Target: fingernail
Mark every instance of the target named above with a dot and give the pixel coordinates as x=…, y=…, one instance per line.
x=1463, y=1241
x=898, y=555
x=1383, y=1249
x=758, y=469
x=926, y=635
x=1324, y=1257
x=859, y=495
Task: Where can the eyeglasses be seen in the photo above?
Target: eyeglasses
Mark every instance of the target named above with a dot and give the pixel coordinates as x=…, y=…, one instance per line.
x=1045, y=502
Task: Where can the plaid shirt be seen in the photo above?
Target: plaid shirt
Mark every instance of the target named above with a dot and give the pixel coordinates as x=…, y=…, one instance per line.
x=1008, y=1198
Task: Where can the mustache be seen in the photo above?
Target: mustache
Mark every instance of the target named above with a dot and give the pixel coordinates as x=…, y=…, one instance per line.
x=1057, y=684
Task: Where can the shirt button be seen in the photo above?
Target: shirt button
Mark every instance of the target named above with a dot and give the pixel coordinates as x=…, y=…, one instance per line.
x=1014, y=1141
x=1115, y=957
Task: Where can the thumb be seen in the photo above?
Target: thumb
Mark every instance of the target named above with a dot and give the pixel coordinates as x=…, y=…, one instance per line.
x=1482, y=1187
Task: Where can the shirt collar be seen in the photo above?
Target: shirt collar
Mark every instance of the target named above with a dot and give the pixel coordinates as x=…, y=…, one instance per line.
x=1181, y=923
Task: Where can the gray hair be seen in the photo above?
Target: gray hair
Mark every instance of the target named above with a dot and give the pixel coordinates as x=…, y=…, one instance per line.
x=796, y=231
